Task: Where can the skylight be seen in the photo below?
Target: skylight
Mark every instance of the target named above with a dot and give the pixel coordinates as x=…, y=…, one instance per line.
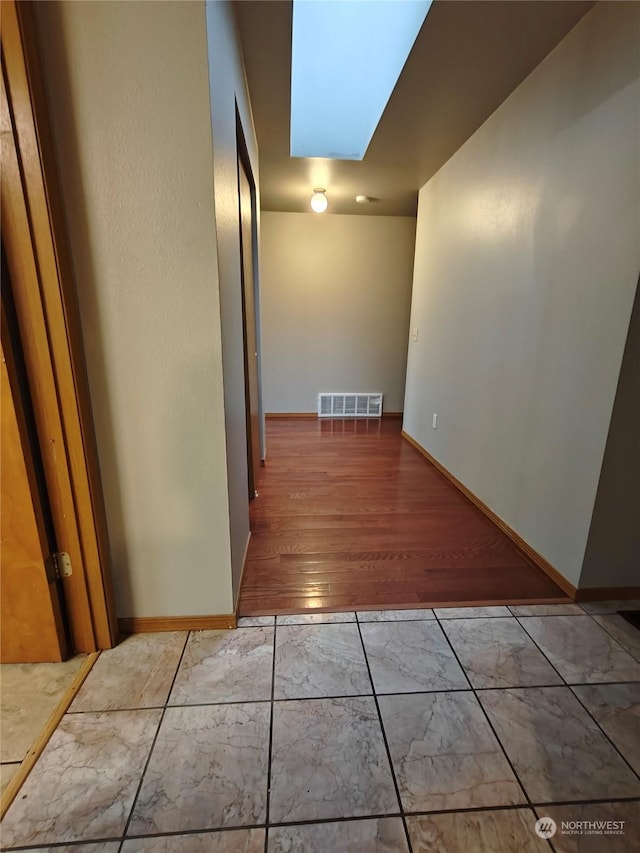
x=346, y=58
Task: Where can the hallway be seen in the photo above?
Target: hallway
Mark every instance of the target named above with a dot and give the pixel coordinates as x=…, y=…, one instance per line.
x=349, y=515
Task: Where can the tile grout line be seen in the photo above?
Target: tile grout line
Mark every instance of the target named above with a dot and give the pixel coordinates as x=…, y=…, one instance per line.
x=385, y=741
x=633, y=770
x=538, y=816
x=375, y=695
x=524, y=806
x=593, y=619
x=311, y=822
x=267, y=817
x=483, y=709
x=48, y=730
x=586, y=684
x=153, y=743
x=63, y=845
x=431, y=618
x=425, y=691
x=529, y=805
x=350, y=819
x=570, y=684
x=379, y=816
x=634, y=655
x=545, y=656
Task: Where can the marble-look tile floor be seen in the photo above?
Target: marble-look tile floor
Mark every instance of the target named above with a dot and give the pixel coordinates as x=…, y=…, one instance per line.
x=29, y=693
x=399, y=731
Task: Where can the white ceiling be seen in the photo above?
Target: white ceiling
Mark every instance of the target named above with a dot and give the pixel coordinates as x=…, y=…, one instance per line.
x=468, y=58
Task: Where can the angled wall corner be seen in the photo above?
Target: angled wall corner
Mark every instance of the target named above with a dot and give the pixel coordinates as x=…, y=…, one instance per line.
x=612, y=556
x=229, y=99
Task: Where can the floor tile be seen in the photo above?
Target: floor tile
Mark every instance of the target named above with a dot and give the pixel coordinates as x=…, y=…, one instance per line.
x=556, y=748
x=7, y=772
x=320, y=660
x=256, y=621
x=329, y=761
x=470, y=612
x=444, y=753
x=385, y=835
x=580, y=649
x=29, y=694
x=394, y=615
x=573, y=839
x=315, y=618
x=136, y=674
x=406, y=657
x=609, y=606
x=622, y=631
x=546, y=609
x=617, y=708
x=225, y=666
x=501, y=831
x=84, y=783
x=208, y=770
x=498, y=653
x=232, y=841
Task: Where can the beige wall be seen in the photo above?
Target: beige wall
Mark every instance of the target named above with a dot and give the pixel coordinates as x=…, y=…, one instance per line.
x=129, y=94
x=527, y=258
x=228, y=89
x=336, y=292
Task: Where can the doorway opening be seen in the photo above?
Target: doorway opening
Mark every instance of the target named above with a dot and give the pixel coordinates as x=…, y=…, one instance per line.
x=248, y=254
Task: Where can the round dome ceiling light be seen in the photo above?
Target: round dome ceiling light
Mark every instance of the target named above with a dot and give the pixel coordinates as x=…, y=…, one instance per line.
x=319, y=202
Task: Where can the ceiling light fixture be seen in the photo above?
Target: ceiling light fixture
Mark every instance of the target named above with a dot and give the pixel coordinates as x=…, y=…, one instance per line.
x=363, y=199
x=319, y=202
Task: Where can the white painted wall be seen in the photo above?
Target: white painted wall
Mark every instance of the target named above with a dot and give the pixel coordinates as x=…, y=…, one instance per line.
x=527, y=258
x=228, y=88
x=129, y=94
x=336, y=293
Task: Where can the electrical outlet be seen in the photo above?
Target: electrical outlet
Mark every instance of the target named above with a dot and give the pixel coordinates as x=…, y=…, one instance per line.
x=434, y=421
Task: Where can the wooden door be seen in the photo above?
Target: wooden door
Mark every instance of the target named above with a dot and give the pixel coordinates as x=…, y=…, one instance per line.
x=49, y=332
x=252, y=393
x=31, y=627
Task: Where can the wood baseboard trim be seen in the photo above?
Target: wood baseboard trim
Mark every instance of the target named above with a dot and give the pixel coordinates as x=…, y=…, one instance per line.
x=274, y=415
x=11, y=791
x=529, y=552
x=608, y=593
x=151, y=624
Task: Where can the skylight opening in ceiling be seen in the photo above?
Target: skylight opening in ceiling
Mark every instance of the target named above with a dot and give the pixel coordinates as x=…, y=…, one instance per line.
x=346, y=57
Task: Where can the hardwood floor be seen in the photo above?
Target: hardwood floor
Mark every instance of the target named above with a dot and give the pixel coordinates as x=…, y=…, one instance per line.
x=350, y=516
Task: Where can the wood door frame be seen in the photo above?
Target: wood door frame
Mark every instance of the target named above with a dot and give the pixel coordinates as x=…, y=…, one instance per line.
x=38, y=255
x=244, y=161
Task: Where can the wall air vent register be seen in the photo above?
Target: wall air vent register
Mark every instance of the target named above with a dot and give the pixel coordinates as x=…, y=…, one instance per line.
x=349, y=405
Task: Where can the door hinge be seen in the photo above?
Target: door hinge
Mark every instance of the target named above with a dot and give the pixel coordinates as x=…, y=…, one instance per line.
x=58, y=566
